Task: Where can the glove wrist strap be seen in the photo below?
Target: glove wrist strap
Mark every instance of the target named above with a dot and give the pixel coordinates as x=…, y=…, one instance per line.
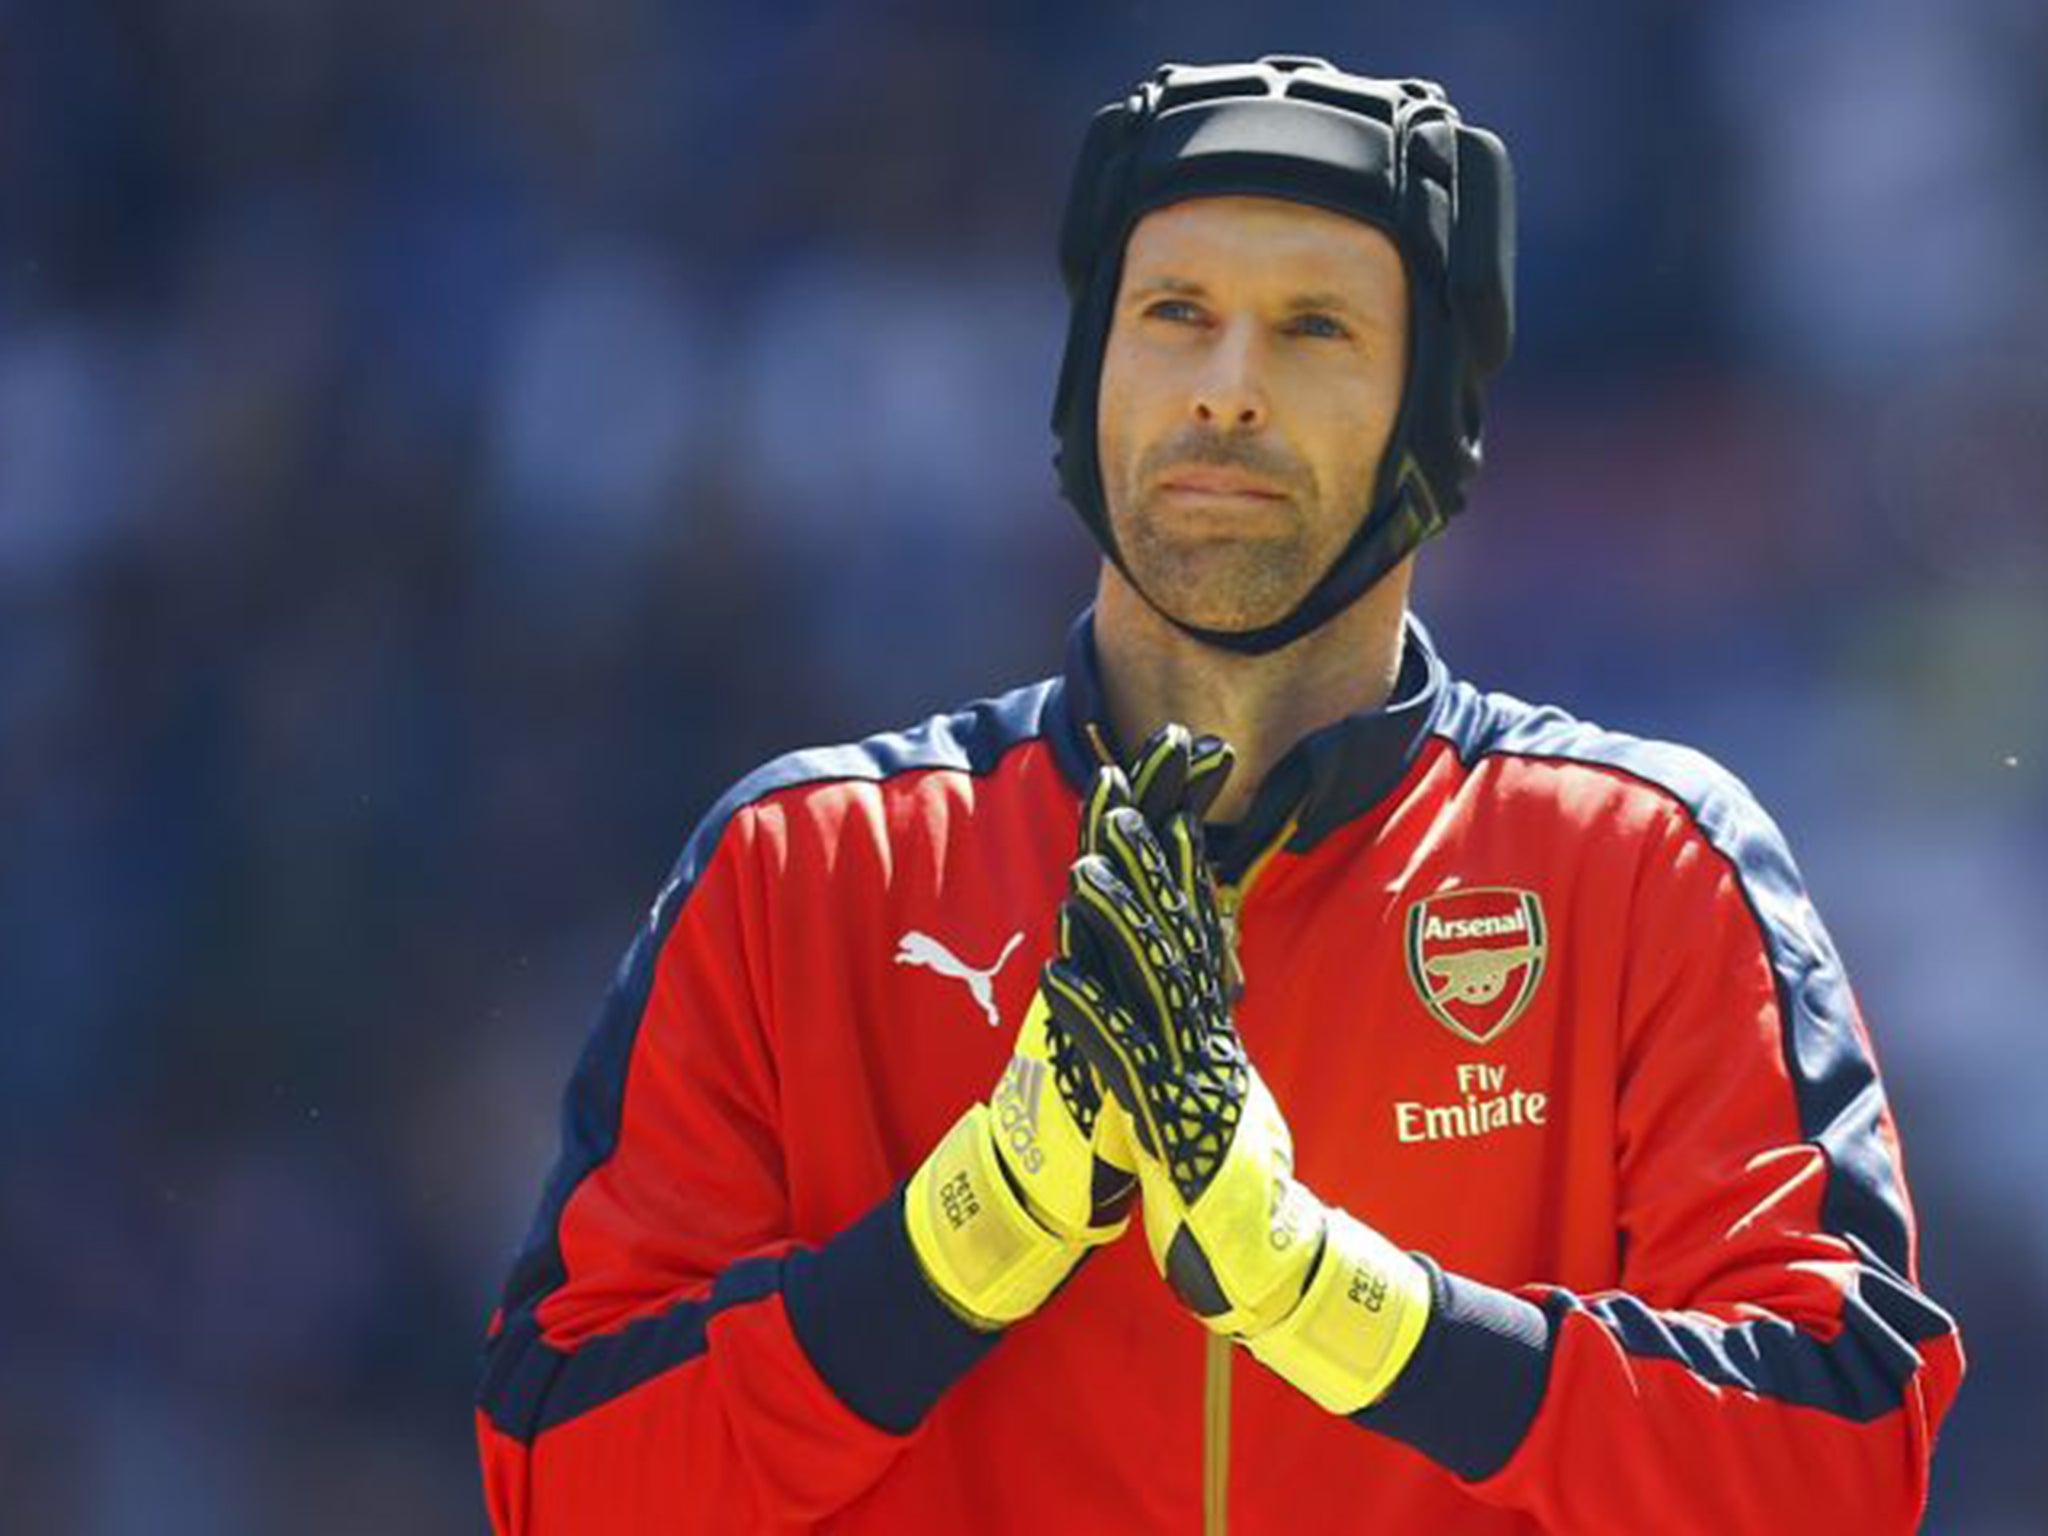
x=981, y=1250
x=1356, y=1325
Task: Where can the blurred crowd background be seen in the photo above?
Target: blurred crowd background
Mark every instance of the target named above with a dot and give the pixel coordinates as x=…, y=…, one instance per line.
x=444, y=442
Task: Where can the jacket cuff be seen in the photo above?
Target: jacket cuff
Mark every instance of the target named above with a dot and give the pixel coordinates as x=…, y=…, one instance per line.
x=873, y=1327
x=1472, y=1388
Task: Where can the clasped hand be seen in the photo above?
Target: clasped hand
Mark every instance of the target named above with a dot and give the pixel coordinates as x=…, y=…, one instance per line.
x=1139, y=985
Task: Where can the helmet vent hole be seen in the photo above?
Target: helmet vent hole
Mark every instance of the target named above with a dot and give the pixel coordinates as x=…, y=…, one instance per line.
x=1364, y=103
x=1186, y=93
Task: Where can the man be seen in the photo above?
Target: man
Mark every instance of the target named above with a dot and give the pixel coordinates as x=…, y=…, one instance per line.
x=1490, y=1096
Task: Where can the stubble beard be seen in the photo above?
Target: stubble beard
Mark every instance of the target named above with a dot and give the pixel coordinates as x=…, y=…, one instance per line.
x=1220, y=580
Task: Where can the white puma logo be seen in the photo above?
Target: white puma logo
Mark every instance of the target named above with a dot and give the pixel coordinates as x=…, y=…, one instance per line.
x=916, y=948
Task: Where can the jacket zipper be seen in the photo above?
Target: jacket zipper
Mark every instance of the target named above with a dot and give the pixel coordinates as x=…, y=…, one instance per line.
x=1216, y=1362
x=1216, y=1437
x=1230, y=903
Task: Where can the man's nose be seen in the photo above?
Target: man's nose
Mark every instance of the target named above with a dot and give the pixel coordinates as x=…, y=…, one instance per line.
x=1230, y=392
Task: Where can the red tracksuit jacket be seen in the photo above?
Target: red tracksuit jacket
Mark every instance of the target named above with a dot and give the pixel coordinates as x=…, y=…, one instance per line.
x=1544, y=1003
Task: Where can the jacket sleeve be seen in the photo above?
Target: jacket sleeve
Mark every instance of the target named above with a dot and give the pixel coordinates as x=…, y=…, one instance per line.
x=1768, y=1362
x=666, y=1358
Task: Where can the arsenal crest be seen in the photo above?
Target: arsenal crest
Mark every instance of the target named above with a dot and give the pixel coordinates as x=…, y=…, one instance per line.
x=1476, y=957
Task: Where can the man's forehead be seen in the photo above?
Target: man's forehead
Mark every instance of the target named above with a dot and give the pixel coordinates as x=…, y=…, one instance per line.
x=1185, y=245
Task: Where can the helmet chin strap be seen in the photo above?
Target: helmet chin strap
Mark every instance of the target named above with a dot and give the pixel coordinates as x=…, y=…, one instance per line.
x=1260, y=640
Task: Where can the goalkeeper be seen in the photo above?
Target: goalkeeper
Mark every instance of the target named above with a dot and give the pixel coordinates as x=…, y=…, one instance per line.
x=1506, y=1149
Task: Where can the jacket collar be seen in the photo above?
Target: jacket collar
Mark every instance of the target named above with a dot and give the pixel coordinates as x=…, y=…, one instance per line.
x=1330, y=777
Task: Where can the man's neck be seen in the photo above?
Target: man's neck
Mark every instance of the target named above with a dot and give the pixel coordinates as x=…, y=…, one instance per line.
x=1261, y=705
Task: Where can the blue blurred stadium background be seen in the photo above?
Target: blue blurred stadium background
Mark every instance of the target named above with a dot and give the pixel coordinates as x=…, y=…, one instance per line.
x=443, y=442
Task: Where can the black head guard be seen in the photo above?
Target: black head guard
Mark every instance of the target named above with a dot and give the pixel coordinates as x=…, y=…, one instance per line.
x=1390, y=152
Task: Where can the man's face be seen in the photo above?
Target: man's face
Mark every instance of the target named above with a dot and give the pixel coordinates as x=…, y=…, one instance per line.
x=1251, y=381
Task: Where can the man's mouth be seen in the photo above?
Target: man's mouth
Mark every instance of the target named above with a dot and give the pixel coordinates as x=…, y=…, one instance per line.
x=1219, y=484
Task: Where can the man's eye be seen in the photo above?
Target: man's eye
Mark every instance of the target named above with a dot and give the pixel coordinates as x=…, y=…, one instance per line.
x=1321, y=325
x=1172, y=309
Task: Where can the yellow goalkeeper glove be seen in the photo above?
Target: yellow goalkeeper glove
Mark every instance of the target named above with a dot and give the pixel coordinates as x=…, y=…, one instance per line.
x=1022, y=1185
x=1318, y=1296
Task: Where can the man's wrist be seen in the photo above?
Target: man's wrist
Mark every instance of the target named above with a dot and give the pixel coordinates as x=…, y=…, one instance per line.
x=874, y=1329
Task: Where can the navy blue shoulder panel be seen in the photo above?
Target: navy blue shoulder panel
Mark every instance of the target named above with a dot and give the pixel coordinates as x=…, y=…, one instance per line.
x=1482, y=724
x=973, y=739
